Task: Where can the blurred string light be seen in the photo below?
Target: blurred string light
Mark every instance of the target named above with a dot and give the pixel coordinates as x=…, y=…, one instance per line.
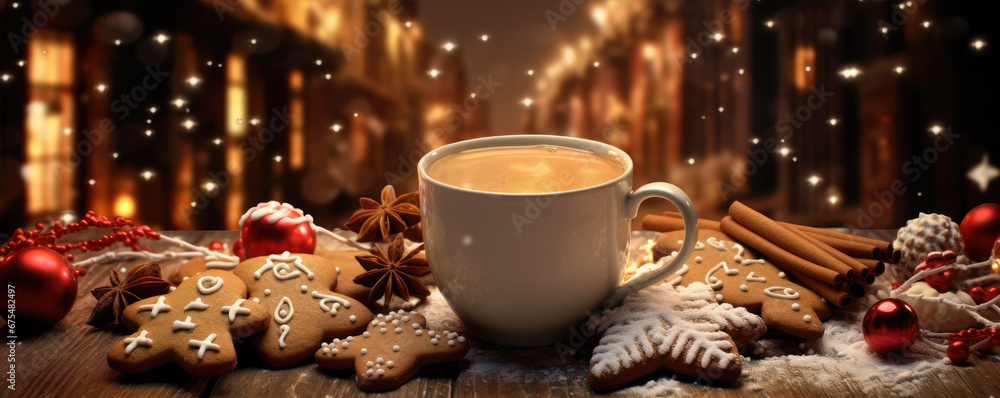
x=253, y=41
x=978, y=44
x=277, y=158
x=217, y=141
x=808, y=68
x=813, y=180
x=101, y=87
x=328, y=76
x=355, y=114
x=448, y=46
x=899, y=70
x=596, y=64
x=114, y=155
x=336, y=128
x=152, y=109
x=927, y=24
x=118, y=42
x=736, y=50
x=5, y=77
x=718, y=37
x=690, y=160
x=408, y=24
x=833, y=199
x=850, y=72
x=740, y=71
x=67, y=131
x=319, y=62
x=769, y=23
x=833, y=121
x=209, y=63
x=147, y=175
x=433, y=73
x=527, y=102
x=91, y=181
x=178, y=102
x=935, y=129
x=161, y=38
x=255, y=121
x=755, y=140
x=484, y=37
x=193, y=81
x=784, y=151
x=149, y=133
x=531, y=72
x=188, y=124
x=15, y=5
x=210, y=186
x=20, y=63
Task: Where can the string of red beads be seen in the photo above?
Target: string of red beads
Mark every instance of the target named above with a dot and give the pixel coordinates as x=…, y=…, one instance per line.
x=124, y=232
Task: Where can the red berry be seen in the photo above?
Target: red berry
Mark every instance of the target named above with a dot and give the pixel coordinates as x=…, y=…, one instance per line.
x=958, y=351
x=977, y=294
x=991, y=293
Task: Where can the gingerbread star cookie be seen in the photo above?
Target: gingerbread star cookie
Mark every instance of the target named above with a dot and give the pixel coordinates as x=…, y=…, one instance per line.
x=741, y=278
x=683, y=330
x=391, y=350
x=192, y=326
x=296, y=289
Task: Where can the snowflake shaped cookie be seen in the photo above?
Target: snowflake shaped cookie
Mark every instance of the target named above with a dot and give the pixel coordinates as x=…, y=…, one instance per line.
x=683, y=330
x=193, y=326
x=296, y=289
x=391, y=350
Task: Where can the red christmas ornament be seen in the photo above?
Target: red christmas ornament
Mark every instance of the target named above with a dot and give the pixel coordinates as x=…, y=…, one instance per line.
x=977, y=293
x=890, y=326
x=216, y=246
x=44, y=284
x=991, y=294
x=980, y=229
x=958, y=351
x=273, y=228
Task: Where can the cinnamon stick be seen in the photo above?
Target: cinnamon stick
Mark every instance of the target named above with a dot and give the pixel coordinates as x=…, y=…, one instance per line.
x=786, y=239
x=859, y=269
x=876, y=267
x=851, y=248
x=657, y=223
x=778, y=255
x=840, y=235
x=832, y=294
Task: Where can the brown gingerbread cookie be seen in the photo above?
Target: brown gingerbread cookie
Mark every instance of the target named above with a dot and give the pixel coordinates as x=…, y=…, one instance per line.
x=192, y=326
x=741, y=278
x=296, y=289
x=190, y=268
x=391, y=350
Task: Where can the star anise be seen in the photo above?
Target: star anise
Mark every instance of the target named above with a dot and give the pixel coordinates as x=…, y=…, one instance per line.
x=140, y=282
x=376, y=222
x=393, y=272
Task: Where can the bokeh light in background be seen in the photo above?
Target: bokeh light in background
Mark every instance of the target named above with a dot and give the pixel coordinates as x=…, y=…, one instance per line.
x=182, y=114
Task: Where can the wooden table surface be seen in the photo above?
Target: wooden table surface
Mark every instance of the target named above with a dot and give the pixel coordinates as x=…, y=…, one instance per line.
x=69, y=360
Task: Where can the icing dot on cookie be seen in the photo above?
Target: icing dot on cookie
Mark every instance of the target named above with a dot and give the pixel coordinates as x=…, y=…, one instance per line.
x=326, y=350
x=381, y=323
x=434, y=341
x=267, y=292
x=366, y=334
x=364, y=351
x=415, y=326
x=807, y=318
x=338, y=270
x=399, y=330
x=390, y=364
x=744, y=288
x=781, y=275
x=461, y=339
x=375, y=322
x=383, y=330
x=718, y=297
x=431, y=333
x=379, y=360
x=802, y=346
x=283, y=313
x=795, y=306
x=395, y=321
x=369, y=372
x=185, y=278
x=350, y=338
x=354, y=318
x=697, y=259
x=333, y=351
x=344, y=345
x=451, y=343
x=420, y=332
x=380, y=372
x=406, y=319
x=395, y=348
x=304, y=288
x=256, y=300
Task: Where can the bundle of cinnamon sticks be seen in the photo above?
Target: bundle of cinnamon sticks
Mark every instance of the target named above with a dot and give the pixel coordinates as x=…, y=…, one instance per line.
x=835, y=265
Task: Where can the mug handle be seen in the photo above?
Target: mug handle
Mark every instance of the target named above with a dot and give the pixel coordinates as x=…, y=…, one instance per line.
x=678, y=198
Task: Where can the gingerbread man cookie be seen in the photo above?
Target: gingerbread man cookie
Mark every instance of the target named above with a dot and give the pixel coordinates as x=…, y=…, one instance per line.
x=391, y=350
x=743, y=279
x=193, y=326
x=296, y=289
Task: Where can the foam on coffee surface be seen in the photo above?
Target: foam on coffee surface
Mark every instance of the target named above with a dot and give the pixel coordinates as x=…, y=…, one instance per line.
x=525, y=169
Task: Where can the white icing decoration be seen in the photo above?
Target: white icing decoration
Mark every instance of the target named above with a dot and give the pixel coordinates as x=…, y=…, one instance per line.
x=196, y=305
x=283, y=269
x=184, y=325
x=155, y=309
x=325, y=301
x=304, y=288
x=781, y=275
x=137, y=341
x=284, y=333
x=395, y=348
x=235, y=309
x=751, y=278
x=274, y=212
x=364, y=351
x=744, y=288
x=267, y=292
x=786, y=293
x=204, y=345
x=354, y=318
x=214, y=285
x=716, y=244
x=718, y=298
x=698, y=259
x=217, y=261
x=807, y=318
x=281, y=314
x=684, y=269
x=796, y=306
x=390, y=364
x=714, y=282
x=751, y=261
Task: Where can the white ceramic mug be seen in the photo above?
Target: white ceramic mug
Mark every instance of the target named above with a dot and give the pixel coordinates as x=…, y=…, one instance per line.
x=524, y=269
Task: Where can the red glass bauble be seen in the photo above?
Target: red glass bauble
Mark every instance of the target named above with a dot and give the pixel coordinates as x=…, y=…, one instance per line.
x=980, y=229
x=273, y=228
x=41, y=283
x=958, y=351
x=890, y=326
